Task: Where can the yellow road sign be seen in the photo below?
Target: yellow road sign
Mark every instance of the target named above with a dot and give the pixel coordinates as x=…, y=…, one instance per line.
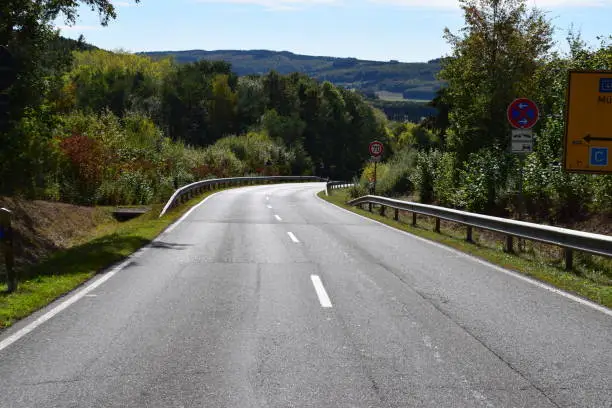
x=588, y=122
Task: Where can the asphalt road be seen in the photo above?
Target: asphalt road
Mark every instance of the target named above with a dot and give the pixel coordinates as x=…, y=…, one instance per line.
x=269, y=297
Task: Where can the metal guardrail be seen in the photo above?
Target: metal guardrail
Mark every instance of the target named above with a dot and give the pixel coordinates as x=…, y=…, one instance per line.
x=567, y=239
x=191, y=190
x=334, y=185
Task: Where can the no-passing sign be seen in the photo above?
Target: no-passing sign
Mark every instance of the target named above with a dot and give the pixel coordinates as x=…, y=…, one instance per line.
x=376, y=148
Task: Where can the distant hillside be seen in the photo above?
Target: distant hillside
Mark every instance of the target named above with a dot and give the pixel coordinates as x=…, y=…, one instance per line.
x=391, y=80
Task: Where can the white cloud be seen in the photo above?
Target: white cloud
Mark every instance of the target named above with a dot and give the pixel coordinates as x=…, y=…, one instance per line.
x=454, y=4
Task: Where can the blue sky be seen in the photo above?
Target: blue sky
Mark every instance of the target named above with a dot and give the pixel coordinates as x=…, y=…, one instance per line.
x=405, y=30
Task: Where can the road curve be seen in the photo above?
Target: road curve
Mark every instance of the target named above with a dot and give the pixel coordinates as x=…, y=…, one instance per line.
x=267, y=296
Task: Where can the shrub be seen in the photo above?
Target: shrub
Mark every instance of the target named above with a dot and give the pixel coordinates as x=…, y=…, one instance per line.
x=445, y=179
x=358, y=189
x=396, y=180
x=424, y=175
x=482, y=181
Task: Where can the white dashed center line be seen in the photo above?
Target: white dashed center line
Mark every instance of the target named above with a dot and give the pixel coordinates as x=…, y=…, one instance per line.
x=321, y=293
x=293, y=237
x=269, y=206
x=277, y=217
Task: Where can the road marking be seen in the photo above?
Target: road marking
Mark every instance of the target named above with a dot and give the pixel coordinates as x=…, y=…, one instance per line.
x=267, y=198
x=277, y=217
x=293, y=237
x=321, y=293
x=192, y=209
x=269, y=206
x=65, y=304
x=516, y=275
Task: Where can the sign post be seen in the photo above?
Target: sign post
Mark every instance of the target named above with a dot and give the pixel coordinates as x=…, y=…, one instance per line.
x=522, y=114
x=6, y=242
x=588, y=128
x=376, y=150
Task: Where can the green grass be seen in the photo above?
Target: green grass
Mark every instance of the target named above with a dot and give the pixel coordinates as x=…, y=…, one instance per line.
x=591, y=279
x=67, y=269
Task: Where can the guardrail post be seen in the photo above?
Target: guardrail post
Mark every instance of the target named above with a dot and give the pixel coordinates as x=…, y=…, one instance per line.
x=383, y=209
x=437, y=229
x=509, y=248
x=396, y=215
x=370, y=207
x=569, y=258
x=468, y=237
x=414, y=219
x=6, y=239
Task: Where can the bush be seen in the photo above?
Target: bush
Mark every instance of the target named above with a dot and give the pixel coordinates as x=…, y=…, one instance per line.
x=425, y=173
x=482, y=182
x=445, y=179
x=358, y=189
x=367, y=176
x=131, y=188
x=396, y=179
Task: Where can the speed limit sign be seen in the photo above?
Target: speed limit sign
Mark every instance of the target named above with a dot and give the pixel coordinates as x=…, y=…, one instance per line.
x=376, y=148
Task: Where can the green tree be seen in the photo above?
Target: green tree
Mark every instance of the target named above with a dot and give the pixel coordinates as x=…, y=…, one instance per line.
x=494, y=59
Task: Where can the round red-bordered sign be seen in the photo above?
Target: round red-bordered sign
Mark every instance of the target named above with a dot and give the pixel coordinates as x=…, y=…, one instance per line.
x=376, y=148
x=523, y=113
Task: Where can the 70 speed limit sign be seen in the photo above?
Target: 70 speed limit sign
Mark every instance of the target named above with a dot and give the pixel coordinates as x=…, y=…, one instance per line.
x=376, y=148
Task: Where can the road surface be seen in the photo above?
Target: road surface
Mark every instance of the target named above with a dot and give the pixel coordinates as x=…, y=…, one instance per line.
x=267, y=296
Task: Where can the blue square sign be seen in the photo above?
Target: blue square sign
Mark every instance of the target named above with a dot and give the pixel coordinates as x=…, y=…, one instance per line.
x=605, y=85
x=599, y=156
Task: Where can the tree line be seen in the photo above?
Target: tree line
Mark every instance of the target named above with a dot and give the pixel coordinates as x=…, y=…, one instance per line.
x=97, y=127
x=460, y=157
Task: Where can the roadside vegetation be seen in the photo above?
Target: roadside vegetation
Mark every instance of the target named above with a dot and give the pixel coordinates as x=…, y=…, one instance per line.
x=459, y=158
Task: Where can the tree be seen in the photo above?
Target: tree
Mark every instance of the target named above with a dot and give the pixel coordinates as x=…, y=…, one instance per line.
x=222, y=107
x=493, y=61
x=186, y=101
x=25, y=28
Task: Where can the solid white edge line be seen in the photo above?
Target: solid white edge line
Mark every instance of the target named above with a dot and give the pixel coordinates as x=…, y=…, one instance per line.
x=95, y=284
x=277, y=217
x=498, y=268
x=74, y=298
x=192, y=209
x=293, y=237
x=321, y=293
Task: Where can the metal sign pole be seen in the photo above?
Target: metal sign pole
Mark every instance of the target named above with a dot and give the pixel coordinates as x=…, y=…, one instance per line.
x=521, y=203
x=374, y=189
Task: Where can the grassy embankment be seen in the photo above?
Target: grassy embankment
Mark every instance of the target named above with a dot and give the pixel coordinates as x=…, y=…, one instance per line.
x=591, y=279
x=92, y=253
